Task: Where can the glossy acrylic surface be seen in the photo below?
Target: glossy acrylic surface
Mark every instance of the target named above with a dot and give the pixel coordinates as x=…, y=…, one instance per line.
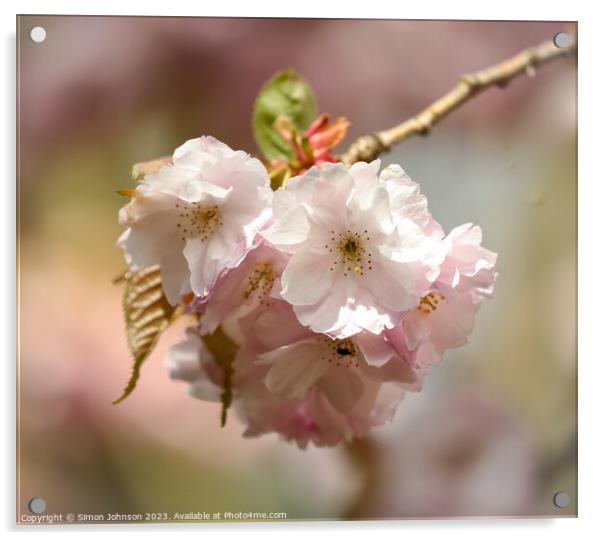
x=493, y=432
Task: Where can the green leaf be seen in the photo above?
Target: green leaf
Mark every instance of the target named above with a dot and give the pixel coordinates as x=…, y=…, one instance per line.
x=223, y=350
x=288, y=95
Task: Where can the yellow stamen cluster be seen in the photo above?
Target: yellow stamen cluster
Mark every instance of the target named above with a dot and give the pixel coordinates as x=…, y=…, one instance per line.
x=353, y=256
x=197, y=220
x=341, y=352
x=430, y=302
x=260, y=282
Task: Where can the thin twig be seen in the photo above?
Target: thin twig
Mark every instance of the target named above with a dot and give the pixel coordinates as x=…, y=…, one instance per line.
x=369, y=147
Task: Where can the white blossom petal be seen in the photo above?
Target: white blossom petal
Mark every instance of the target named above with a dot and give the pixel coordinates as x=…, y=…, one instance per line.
x=294, y=369
x=194, y=207
x=375, y=349
x=342, y=387
x=307, y=278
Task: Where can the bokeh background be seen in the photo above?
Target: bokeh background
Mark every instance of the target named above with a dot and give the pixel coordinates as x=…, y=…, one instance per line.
x=494, y=430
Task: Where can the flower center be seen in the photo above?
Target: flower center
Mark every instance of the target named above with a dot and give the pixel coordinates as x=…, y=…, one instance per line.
x=430, y=302
x=198, y=221
x=351, y=254
x=341, y=352
x=260, y=282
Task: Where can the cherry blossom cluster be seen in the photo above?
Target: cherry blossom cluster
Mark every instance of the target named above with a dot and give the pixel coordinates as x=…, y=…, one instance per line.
x=339, y=289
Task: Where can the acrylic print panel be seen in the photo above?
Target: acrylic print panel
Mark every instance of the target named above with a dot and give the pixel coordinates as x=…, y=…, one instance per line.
x=251, y=288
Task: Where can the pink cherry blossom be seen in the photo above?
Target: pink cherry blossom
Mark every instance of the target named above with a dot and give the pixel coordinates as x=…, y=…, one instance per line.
x=300, y=359
x=445, y=316
x=190, y=361
x=338, y=307
x=341, y=369
x=468, y=265
x=347, y=401
x=250, y=286
x=442, y=321
x=285, y=390
x=313, y=418
x=361, y=250
x=196, y=217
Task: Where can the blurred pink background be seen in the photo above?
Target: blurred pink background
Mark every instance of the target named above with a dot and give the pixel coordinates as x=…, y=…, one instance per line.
x=494, y=430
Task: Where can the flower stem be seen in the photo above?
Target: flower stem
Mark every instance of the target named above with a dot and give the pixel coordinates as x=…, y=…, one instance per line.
x=364, y=454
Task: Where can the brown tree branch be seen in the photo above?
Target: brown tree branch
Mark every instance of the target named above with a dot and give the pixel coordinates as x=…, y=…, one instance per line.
x=369, y=147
